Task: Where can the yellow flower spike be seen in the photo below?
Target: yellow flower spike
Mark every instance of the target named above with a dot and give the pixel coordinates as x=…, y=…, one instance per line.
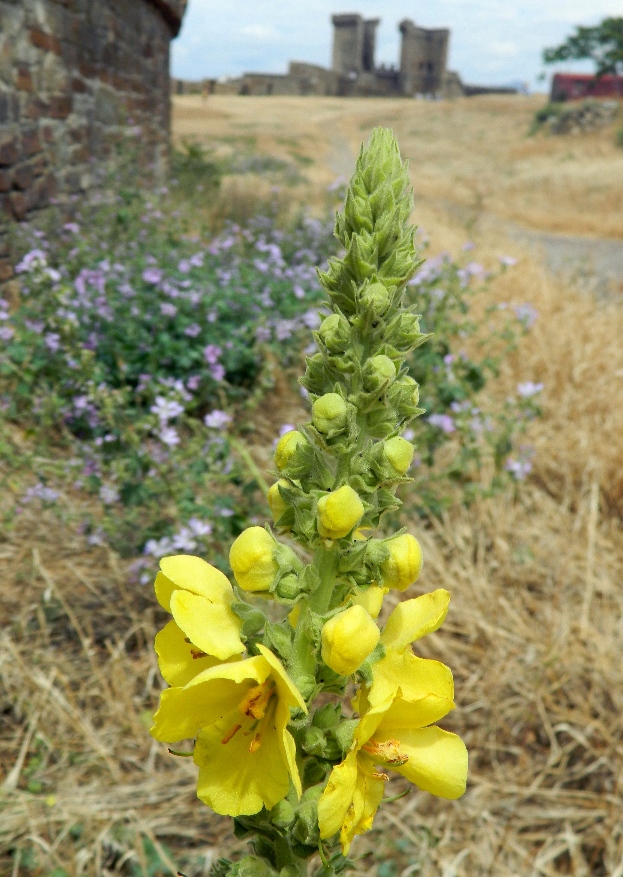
x=238, y=712
x=398, y=735
x=404, y=563
x=347, y=640
x=252, y=559
x=278, y=506
x=399, y=452
x=400, y=668
x=199, y=597
x=371, y=599
x=339, y=512
x=286, y=446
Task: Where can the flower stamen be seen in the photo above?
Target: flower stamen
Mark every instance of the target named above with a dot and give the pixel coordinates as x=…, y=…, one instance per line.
x=386, y=753
x=231, y=734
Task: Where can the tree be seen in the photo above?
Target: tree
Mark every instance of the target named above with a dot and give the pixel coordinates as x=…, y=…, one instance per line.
x=602, y=44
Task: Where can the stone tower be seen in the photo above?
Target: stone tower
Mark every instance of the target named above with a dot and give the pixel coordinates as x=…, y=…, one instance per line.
x=354, y=43
x=348, y=43
x=423, y=58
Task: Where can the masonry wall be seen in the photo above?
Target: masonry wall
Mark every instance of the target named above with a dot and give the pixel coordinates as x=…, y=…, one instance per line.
x=80, y=82
x=423, y=58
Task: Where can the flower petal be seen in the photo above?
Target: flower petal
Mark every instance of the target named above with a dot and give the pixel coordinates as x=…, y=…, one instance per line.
x=405, y=715
x=178, y=665
x=288, y=692
x=413, y=619
x=337, y=796
x=183, y=711
x=437, y=761
x=414, y=676
x=195, y=575
x=367, y=796
x=210, y=625
x=233, y=780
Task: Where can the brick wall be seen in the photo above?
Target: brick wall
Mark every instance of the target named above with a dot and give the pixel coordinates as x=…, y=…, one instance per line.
x=80, y=80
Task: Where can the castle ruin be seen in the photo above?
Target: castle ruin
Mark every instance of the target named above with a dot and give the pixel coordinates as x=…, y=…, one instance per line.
x=422, y=67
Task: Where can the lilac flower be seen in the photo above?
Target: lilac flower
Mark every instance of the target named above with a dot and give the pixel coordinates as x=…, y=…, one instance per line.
x=262, y=334
x=196, y=260
x=52, y=341
x=311, y=319
x=6, y=333
x=337, y=183
x=217, y=419
x=284, y=329
x=184, y=541
x=287, y=427
x=35, y=258
x=528, y=389
x=108, y=494
x=217, y=371
x=169, y=437
x=469, y=245
x=526, y=314
x=409, y=435
x=193, y=330
x=166, y=409
x=158, y=547
x=98, y=537
x=152, y=275
x=212, y=316
x=518, y=468
x=200, y=528
x=299, y=292
x=183, y=266
x=40, y=491
x=193, y=382
x=167, y=309
x=508, y=261
x=443, y=421
x=226, y=513
x=211, y=353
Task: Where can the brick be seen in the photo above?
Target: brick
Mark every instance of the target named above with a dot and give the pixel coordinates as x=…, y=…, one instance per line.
x=9, y=152
x=31, y=142
x=23, y=79
x=18, y=204
x=36, y=108
x=6, y=270
x=45, y=41
x=60, y=106
x=23, y=177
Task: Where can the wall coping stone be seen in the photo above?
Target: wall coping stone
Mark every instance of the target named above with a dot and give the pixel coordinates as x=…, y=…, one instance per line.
x=172, y=11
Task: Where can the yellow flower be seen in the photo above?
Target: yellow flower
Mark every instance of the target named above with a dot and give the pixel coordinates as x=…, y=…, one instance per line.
x=278, y=506
x=404, y=564
x=400, y=735
x=400, y=668
x=399, y=452
x=239, y=712
x=286, y=446
x=371, y=599
x=347, y=640
x=199, y=598
x=252, y=559
x=339, y=512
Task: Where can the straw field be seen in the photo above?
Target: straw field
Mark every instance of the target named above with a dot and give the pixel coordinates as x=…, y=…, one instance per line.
x=535, y=631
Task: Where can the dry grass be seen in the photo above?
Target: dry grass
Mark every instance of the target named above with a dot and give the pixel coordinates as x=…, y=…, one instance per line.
x=534, y=638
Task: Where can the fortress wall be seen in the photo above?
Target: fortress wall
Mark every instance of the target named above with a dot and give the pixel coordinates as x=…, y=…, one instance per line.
x=79, y=78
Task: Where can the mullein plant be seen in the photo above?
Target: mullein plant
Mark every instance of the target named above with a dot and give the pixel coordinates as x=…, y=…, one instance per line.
x=296, y=723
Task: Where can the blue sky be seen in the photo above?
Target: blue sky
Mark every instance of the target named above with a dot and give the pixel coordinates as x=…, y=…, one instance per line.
x=491, y=42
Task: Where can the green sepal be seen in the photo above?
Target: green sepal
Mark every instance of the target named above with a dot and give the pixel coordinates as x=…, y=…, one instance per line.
x=253, y=619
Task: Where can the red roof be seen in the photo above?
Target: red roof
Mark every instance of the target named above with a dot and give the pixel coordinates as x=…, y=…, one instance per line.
x=569, y=86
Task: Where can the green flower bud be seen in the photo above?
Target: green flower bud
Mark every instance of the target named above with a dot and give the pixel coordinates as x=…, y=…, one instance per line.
x=404, y=395
x=278, y=505
x=252, y=559
x=399, y=453
x=404, y=333
x=338, y=513
x=282, y=814
x=251, y=866
x=375, y=299
x=347, y=640
x=314, y=741
x=305, y=828
x=378, y=372
x=404, y=563
x=330, y=414
x=289, y=587
x=334, y=333
x=287, y=446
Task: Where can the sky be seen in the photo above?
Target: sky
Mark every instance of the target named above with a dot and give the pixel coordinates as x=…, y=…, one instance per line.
x=492, y=42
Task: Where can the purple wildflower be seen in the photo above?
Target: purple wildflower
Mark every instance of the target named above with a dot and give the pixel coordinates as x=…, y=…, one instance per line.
x=217, y=419
x=443, y=421
x=508, y=261
x=52, y=341
x=152, y=275
x=167, y=309
x=169, y=437
x=526, y=314
x=193, y=330
x=6, y=333
x=528, y=389
x=217, y=371
x=211, y=353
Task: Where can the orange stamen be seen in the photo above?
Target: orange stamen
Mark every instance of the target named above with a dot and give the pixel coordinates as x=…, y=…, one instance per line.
x=255, y=744
x=231, y=734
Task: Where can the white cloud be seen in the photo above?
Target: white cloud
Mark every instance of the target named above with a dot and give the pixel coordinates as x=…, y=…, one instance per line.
x=265, y=33
x=503, y=48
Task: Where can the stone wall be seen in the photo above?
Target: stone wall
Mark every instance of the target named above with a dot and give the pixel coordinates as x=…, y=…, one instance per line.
x=81, y=81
